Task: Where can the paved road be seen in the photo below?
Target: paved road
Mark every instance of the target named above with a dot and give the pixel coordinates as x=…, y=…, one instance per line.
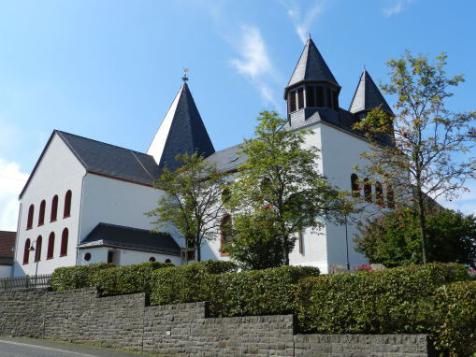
x=13, y=347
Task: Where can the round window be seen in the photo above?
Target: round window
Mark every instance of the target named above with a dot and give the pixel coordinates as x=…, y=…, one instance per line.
x=87, y=257
x=168, y=261
x=152, y=259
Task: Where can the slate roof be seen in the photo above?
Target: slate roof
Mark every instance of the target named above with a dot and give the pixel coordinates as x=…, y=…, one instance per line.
x=114, y=236
x=185, y=133
x=228, y=159
x=311, y=67
x=367, y=96
x=113, y=161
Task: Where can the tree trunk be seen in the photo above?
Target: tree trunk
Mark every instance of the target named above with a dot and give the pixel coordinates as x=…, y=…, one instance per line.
x=422, y=223
x=285, y=250
x=198, y=250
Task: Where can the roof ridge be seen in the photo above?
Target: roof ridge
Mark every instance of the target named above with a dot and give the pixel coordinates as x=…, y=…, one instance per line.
x=100, y=142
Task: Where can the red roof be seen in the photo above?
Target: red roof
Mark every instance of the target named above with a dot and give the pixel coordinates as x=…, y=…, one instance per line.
x=7, y=242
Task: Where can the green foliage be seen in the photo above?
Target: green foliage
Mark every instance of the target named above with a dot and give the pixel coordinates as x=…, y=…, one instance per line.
x=398, y=300
x=107, y=278
x=455, y=326
x=83, y=276
x=193, y=202
x=258, y=292
x=281, y=175
x=126, y=279
x=394, y=239
x=255, y=244
x=424, y=160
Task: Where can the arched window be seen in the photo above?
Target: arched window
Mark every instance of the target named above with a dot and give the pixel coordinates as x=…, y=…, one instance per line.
x=64, y=243
x=226, y=232
x=292, y=101
x=379, y=194
x=390, y=197
x=54, y=208
x=39, y=242
x=26, y=251
x=67, y=204
x=354, y=182
x=31, y=213
x=51, y=246
x=367, y=190
x=226, y=195
x=41, y=217
x=300, y=95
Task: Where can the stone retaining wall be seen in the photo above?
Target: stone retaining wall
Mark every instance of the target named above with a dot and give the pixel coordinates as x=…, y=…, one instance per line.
x=180, y=330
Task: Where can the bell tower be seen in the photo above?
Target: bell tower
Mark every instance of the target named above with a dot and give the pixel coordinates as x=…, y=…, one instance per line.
x=312, y=85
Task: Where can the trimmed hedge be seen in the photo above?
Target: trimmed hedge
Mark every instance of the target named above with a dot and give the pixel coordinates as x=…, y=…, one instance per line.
x=76, y=277
x=454, y=328
x=390, y=301
x=107, y=278
x=259, y=292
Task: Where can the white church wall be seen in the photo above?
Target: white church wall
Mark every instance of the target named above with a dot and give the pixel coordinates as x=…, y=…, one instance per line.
x=57, y=172
x=118, y=202
x=341, y=153
x=124, y=256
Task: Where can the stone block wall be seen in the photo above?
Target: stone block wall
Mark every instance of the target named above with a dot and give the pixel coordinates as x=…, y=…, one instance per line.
x=180, y=330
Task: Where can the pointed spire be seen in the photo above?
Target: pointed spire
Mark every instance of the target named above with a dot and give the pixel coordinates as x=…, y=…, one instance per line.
x=311, y=66
x=367, y=96
x=182, y=131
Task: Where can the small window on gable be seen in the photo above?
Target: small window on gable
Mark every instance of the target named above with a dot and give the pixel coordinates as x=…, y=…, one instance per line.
x=226, y=232
x=367, y=190
x=300, y=98
x=31, y=213
x=320, y=96
x=41, y=217
x=354, y=182
x=67, y=204
x=379, y=194
x=292, y=101
x=390, y=197
x=39, y=243
x=54, y=209
x=26, y=251
x=51, y=246
x=64, y=243
x=310, y=96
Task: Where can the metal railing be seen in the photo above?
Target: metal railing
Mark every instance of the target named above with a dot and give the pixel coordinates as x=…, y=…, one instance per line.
x=25, y=282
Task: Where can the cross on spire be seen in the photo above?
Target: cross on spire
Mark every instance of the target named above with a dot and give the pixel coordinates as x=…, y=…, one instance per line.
x=185, y=74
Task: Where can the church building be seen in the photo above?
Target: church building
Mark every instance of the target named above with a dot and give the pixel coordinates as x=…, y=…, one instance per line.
x=85, y=200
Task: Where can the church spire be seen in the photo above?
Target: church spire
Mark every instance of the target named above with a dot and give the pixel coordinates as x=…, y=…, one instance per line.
x=367, y=96
x=182, y=131
x=312, y=67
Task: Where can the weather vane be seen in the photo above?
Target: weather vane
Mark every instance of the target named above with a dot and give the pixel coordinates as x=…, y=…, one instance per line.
x=185, y=74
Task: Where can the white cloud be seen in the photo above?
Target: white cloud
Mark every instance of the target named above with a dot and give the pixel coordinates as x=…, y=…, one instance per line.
x=303, y=19
x=396, y=7
x=254, y=63
x=12, y=180
x=254, y=60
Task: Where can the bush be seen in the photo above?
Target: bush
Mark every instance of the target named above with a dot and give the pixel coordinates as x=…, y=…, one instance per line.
x=109, y=279
x=126, y=279
x=257, y=292
x=395, y=300
x=455, y=325
x=76, y=277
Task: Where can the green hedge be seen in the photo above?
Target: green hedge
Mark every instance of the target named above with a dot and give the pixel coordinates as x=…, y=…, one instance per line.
x=107, y=278
x=76, y=277
x=388, y=301
x=454, y=328
x=259, y=292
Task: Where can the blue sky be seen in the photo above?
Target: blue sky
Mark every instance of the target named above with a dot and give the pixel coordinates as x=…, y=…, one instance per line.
x=109, y=69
